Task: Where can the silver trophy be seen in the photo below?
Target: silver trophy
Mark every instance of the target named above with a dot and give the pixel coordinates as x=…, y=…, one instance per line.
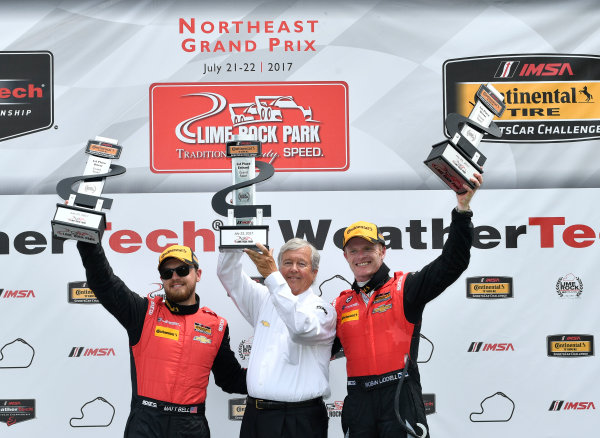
x=244, y=219
x=455, y=161
x=81, y=216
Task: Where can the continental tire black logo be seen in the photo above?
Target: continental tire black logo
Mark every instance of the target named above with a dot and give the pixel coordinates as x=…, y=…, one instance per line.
x=26, y=93
x=80, y=293
x=549, y=98
x=570, y=345
x=237, y=407
x=489, y=287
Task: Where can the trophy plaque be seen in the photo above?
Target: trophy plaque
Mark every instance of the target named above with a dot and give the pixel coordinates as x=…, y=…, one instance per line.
x=455, y=161
x=81, y=216
x=244, y=219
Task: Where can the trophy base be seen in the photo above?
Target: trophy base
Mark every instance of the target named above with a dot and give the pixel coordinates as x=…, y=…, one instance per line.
x=72, y=222
x=452, y=166
x=243, y=236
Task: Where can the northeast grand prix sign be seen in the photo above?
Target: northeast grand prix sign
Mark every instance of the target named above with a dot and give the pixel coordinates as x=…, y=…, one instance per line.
x=303, y=125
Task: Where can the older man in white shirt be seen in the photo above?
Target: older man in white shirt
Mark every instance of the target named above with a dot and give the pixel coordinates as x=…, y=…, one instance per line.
x=288, y=372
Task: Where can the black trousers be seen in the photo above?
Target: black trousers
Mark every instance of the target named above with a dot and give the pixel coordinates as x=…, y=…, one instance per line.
x=295, y=422
x=370, y=414
x=149, y=423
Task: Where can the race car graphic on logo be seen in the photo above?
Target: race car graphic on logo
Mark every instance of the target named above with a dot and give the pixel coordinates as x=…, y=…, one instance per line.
x=266, y=109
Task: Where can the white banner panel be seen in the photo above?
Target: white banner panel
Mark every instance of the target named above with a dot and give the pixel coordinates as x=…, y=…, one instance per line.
x=477, y=351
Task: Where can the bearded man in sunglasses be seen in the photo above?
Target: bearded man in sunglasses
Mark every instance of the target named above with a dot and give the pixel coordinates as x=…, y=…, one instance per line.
x=174, y=344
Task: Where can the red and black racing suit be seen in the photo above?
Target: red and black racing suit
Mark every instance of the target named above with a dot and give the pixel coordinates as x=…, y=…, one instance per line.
x=172, y=350
x=378, y=334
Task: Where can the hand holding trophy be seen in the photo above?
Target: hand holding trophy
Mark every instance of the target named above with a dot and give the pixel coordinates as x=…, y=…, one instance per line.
x=244, y=227
x=455, y=161
x=81, y=216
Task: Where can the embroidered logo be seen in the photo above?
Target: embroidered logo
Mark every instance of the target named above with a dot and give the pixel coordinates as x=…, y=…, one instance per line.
x=383, y=308
x=166, y=332
x=202, y=329
x=350, y=316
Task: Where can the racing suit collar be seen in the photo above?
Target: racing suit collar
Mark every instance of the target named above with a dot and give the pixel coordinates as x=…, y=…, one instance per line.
x=379, y=279
x=179, y=309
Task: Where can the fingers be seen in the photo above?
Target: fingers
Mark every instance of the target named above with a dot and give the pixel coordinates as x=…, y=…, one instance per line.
x=262, y=248
x=477, y=180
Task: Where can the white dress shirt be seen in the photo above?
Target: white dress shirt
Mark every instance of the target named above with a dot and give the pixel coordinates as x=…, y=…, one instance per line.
x=293, y=334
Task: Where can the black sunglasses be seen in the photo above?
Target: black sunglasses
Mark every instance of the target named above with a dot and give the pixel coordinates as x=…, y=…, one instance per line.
x=182, y=271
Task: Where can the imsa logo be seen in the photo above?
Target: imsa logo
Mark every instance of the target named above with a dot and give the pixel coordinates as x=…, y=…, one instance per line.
x=476, y=347
x=24, y=293
x=96, y=352
x=561, y=405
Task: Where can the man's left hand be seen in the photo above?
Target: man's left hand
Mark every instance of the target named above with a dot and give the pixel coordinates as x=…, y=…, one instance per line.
x=264, y=261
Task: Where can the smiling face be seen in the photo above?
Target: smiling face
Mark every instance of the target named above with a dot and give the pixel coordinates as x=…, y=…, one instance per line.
x=296, y=268
x=365, y=258
x=180, y=290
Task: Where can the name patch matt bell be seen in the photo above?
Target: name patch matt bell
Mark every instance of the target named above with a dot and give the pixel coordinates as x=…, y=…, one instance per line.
x=350, y=316
x=166, y=332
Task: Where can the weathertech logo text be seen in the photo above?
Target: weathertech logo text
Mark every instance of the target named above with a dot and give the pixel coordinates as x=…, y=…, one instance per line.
x=26, y=93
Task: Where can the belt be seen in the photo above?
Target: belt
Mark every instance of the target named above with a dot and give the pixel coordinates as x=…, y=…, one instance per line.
x=272, y=404
x=366, y=383
x=170, y=408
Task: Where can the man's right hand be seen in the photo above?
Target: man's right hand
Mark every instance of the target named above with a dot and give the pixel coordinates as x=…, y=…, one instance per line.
x=264, y=261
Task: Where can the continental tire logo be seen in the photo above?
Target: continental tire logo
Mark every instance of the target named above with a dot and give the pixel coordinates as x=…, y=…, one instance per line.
x=350, y=316
x=489, y=287
x=237, y=407
x=549, y=98
x=166, y=332
x=80, y=293
x=26, y=93
x=570, y=345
